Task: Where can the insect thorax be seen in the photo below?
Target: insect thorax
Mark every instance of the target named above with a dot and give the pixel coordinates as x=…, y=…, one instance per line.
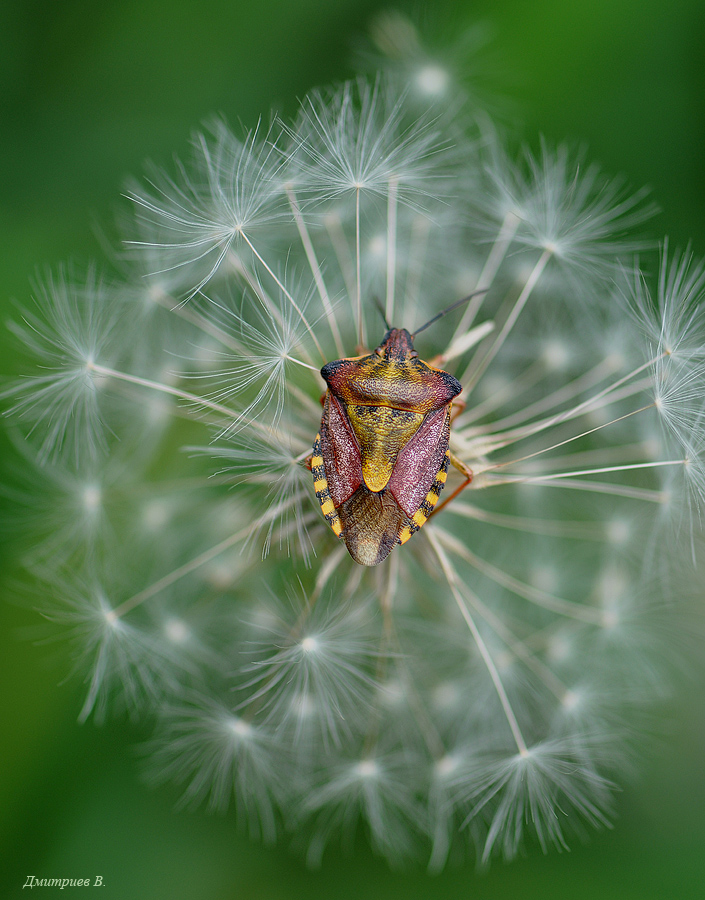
x=391, y=376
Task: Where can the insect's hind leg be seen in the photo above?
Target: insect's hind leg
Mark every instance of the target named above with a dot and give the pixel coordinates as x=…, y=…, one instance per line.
x=464, y=470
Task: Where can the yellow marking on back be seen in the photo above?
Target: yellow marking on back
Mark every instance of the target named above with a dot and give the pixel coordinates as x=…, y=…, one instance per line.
x=336, y=526
x=327, y=508
x=316, y=461
x=320, y=485
x=381, y=432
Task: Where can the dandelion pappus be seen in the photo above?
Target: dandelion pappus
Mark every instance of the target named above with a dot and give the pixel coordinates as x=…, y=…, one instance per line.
x=380, y=459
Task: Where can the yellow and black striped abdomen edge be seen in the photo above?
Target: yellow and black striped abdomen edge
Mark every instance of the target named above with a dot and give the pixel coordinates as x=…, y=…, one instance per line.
x=422, y=514
x=320, y=485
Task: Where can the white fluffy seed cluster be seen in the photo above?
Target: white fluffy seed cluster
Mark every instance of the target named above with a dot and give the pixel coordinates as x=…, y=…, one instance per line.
x=478, y=690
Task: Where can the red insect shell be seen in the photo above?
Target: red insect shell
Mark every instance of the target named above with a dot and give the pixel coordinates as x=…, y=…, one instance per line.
x=381, y=457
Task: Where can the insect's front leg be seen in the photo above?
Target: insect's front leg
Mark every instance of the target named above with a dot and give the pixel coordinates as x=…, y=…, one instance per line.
x=459, y=406
x=464, y=470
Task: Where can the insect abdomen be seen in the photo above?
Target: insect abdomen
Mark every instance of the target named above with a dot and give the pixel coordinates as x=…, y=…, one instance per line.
x=372, y=523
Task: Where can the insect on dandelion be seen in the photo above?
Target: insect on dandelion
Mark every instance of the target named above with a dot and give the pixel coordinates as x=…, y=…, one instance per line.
x=476, y=689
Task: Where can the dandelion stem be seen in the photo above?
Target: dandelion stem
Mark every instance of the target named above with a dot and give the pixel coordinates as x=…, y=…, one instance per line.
x=610, y=389
x=489, y=271
x=475, y=370
x=176, y=392
x=128, y=605
x=609, y=395
x=551, y=527
x=328, y=567
x=531, y=376
x=518, y=647
x=391, y=246
x=361, y=331
x=163, y=388
x=533, y=595
x=598, y=487
x=624, y=468
x=569, y=440
x=452, y=579
x=420, y=230
x=287, y=294
x=255, y=286
x=186, y=313
x=315, y=269
x=568, y=391
x=301, y=363
x=342, y=252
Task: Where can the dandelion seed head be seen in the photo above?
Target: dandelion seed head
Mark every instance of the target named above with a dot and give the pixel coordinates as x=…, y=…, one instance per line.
x=91, y=497
x=560, y=647
x=445, y=766
x=310, y=644
x=392, y=693
x=572, y=213
x=303, y=706
x=446, y=696
x=619, y=531
x=239, y=729
x=571, y=700
x=354, y=140
x=476, y=690
x=222, y=575
x=176, y=631
x=553, y=247
x=366, y=769
x=610, y=619
x=264, y=618
x=432, y=80
x=556, y=355
x=613, y=584
x=378, y=247
x=544, y=577
x=155, y=514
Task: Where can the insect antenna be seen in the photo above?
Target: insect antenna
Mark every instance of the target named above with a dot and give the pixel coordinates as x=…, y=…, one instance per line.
x=381, y=312
x=444, y=312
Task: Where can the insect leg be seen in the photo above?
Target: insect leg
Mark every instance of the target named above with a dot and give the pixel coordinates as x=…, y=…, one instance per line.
x=459, y=406
x=464, y=470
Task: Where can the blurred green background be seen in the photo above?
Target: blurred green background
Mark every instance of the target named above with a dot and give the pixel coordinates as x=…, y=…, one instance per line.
x=89, y=90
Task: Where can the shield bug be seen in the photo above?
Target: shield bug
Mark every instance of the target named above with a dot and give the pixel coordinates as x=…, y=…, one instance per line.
x=380, y=459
